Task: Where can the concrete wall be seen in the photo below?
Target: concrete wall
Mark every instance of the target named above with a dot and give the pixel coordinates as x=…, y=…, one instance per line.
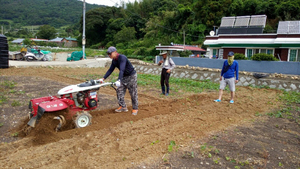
x=276, y=81
x=281, y=67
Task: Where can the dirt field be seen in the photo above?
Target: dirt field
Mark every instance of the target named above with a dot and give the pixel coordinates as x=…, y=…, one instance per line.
x=180, y=131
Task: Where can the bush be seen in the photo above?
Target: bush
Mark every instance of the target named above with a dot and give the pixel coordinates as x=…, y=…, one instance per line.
x=263, y=57
x=185, y=53
x=149, y=58
x=96, y=46
x=120, y=46
x=152, y=51
x=239, y=56
x=142, y=51
x=128, y=52
x=132, y=57
x=52, y=44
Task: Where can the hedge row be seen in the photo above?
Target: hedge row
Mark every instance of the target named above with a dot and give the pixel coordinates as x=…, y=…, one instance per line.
x=257, y=57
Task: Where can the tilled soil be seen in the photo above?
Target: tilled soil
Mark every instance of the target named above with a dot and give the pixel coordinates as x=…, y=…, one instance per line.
x=189, y=130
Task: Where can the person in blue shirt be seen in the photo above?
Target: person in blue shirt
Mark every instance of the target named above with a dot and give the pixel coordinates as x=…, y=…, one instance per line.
x=230, y=67
x=127, y=79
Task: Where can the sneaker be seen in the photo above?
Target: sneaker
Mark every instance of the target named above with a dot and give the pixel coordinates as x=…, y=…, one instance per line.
x=134, y=112
x=231, y=101
x=218, y=100
x=121, y=109
x=167, y=94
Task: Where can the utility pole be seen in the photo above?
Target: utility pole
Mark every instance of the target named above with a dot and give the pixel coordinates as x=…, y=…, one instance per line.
x=183, y=38
x=83, y=34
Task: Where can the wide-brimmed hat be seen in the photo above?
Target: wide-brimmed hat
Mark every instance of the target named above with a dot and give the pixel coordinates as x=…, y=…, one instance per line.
x=163, y=53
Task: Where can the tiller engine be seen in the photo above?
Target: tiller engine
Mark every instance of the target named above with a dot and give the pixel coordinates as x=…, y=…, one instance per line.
x=77, y=99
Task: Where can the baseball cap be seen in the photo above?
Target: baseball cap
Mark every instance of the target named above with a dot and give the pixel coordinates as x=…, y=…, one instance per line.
x=230, y=53
x=111, y=49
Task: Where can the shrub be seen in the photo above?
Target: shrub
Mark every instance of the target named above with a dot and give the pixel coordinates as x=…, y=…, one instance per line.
x=128, y=52
x=239, y=56
x=149, y=58
x=95, y=46
x=140, y=57
x=120, y=46
x=263, y=57
x=152, y=51
x=142, y=51
x=52, y=44
x=185, y=53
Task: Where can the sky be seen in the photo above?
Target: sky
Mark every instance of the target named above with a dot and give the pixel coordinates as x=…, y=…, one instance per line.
x=106, y=2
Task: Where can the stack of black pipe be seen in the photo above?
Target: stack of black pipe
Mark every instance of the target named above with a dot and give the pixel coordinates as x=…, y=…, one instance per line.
x=3, y=52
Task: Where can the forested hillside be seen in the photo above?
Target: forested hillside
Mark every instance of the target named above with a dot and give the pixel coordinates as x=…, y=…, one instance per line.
x=40, y=12
x=150, y=22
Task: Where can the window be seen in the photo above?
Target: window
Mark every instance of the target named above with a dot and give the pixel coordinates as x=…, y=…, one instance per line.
x=294, y=55
x=270, y=51
x=251, y=52
x=215, y=53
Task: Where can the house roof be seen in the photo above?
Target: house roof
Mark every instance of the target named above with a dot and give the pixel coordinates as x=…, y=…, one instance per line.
x=180, y=48
x=272, y=40
x=288, y=27
x=71, y=39
x=39, y=40
x=17, y=41
x=56, y=39
x=193, y=48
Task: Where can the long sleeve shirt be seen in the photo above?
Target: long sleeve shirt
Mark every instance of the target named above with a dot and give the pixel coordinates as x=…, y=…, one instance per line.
x=234, y=68
x=168, y=63
x=123, y=64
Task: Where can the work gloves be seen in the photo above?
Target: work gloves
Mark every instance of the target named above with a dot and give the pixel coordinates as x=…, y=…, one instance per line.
x=101, y=80
x=118, y=83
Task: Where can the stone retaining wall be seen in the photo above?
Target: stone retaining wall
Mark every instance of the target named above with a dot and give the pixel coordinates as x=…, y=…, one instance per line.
x=276, y=81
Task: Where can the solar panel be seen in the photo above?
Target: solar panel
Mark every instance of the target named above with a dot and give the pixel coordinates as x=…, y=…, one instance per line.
x=288, y=27
x=244, y=24
x=227, y=22
x=294, y=27
x=283, y=27
x=258, y=20
x=242, y=21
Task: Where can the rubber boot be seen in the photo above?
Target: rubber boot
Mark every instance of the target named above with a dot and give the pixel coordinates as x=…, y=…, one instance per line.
x=163, y=90
x=167, y=91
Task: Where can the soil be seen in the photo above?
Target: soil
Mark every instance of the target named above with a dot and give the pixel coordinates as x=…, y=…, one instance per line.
x=179, y=131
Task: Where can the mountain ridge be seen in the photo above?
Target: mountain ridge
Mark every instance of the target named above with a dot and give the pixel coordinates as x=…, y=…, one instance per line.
x=42, y=12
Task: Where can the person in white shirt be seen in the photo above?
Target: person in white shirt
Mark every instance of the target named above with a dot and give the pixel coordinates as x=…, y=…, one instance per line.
x=167, y=66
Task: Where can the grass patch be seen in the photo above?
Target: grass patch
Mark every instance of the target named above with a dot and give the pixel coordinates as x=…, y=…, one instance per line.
x=178, y=84
x=6, y=87
x=291, y=109
x=8, y=84
x=15, y=103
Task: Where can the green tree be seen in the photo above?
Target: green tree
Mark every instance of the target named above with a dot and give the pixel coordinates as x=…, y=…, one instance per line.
x=127, y=34
x=26, y=41
x=46, y=32
x=288, y=10
x=97, y=21
x=24, y=33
